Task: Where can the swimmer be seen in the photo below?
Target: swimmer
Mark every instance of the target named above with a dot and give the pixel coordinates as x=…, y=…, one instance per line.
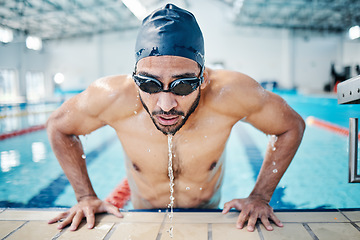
x=172, y=92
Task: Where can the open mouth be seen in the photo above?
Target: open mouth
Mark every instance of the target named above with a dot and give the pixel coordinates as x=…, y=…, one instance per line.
x=167, y=120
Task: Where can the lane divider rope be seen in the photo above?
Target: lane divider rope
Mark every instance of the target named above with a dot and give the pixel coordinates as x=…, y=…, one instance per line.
x=22, y=131
x=328, y=126
x=24, y=113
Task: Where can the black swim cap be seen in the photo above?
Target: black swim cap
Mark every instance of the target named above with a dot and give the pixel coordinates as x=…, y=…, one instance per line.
x=170, y=31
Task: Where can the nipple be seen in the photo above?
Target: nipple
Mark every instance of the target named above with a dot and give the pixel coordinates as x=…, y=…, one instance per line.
x=212, y=166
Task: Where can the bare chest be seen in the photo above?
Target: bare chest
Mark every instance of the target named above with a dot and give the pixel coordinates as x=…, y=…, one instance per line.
x=188, y=156
x=194, y=151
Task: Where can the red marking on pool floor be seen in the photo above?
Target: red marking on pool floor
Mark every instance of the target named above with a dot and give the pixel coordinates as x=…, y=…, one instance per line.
x=121, y=194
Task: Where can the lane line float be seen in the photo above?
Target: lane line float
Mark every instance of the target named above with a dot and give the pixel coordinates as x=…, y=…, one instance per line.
x=22, y=131
x=328, y=126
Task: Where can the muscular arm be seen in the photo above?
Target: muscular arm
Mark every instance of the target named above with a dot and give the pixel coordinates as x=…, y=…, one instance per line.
x=79, y=115
x=276, y=118
x=63, y=127
x=269, y=113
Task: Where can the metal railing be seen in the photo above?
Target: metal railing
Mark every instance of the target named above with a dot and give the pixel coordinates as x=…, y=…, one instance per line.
x=348, y=92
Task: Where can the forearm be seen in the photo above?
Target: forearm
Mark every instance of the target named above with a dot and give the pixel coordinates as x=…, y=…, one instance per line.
x=278, y=157
x=68, y=150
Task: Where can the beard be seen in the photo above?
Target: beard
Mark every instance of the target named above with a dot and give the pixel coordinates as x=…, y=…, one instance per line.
x=172, y=129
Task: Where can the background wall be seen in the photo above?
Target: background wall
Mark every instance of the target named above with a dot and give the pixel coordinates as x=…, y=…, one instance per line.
x=292, y=58
x=15, y=56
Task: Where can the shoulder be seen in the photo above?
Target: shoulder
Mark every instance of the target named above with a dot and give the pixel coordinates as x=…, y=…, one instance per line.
x=234, y=93
x=111, y=87
x=105, y=101
x=111, y=83
x=105, y=94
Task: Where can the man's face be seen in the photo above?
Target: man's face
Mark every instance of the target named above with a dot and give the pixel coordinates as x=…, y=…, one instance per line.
x=168, y=111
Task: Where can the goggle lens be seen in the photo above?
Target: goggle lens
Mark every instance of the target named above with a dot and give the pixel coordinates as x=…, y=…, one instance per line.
x=182, y=87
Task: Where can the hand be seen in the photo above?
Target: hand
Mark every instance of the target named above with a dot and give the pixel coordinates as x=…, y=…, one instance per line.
x=252, y=208
x=87, y=207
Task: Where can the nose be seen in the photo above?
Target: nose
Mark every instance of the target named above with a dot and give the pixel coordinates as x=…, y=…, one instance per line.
x=166, y=101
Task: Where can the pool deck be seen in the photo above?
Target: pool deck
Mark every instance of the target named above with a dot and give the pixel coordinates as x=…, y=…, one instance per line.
x=32, y=224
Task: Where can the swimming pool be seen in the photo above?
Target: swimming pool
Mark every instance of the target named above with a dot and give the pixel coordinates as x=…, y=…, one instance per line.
x=30, y=175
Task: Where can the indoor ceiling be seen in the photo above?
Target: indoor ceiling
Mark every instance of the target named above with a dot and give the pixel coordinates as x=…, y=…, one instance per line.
x=56, y=19
x=317, y=15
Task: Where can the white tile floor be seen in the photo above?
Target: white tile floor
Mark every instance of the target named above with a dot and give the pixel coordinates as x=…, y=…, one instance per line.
x=32, y=224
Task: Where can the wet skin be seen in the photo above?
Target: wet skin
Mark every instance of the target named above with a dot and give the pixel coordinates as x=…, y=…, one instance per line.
x=202, y=121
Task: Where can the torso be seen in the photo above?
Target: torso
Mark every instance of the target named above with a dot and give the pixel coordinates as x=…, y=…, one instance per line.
x=197, y=155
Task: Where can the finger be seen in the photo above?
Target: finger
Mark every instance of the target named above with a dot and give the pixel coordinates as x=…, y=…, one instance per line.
x=58, y=217
x=252, y=221
x=76, y=220
x=235, y=203
x=66, y=221
x=276, y=220
x=243, y=217
x=114, y=210
x=90, y=218
x=266, y=223
x=227, y=207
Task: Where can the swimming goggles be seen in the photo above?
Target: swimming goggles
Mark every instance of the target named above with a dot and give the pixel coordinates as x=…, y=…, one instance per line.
x=181, y=86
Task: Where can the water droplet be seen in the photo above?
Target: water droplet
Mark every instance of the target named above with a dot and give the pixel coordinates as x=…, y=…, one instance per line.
x=170, y=231
x=183, y=117
x=135, y=112
x=275, y=170
x=83, y=156
x=273, y=139
x=274, y=163
x=187, y=188
x=149, y=150
x=171, y=178
x=201, y=189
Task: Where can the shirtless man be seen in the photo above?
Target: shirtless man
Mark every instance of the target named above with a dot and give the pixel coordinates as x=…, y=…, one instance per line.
x=172, y=93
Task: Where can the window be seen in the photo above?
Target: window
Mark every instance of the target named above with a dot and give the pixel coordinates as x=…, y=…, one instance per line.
x=35, y=86
x=8, y=85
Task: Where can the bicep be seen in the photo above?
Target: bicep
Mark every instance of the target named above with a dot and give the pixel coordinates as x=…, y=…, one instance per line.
x=273, y=115
x=75, y=117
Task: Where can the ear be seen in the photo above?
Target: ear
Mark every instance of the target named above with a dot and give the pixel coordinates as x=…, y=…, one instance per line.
x=206, y=78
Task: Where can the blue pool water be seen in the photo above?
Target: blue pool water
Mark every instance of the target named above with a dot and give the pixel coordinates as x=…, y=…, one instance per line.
x=30, y=175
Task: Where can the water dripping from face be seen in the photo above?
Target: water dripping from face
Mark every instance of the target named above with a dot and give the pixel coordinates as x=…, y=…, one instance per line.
x=176, y=127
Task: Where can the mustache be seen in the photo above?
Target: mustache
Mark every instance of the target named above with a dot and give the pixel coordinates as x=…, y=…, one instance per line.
x=171, y=112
